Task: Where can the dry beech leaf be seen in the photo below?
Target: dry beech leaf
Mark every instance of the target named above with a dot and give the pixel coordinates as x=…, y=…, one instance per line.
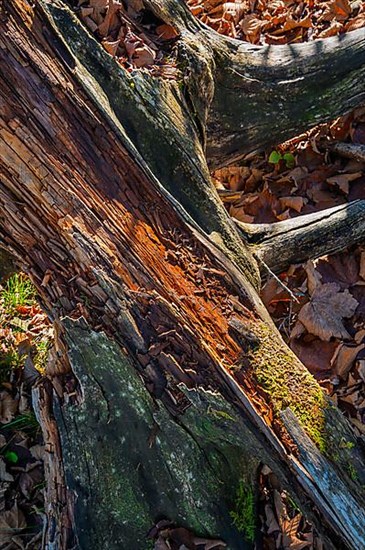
x=110, y=46
x=111, y=18
x=314, y=278
x=332, y=30
x=315, y=354
x=342, y=8
x=342, y=269
x=338, y=9
x=295, y=203
x=166, y=32
x=323, y=315
x=344, y=357
x=356, y=23
x=291, y=23
x=10, y=521
x=143, y=56
x=8, y=407
x=233, y=11
x=251, y=27
x=284, y=215
x=343, y=180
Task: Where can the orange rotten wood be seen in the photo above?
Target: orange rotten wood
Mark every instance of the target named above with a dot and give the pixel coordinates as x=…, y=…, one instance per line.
x=164, y=392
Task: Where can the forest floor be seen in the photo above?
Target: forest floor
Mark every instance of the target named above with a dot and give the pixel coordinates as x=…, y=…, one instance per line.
x=319, y=307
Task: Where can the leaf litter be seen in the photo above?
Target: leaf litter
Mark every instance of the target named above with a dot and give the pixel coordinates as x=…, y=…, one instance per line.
x=135, y=38
x=326, y=327
x=25, y=336
x=280, y=21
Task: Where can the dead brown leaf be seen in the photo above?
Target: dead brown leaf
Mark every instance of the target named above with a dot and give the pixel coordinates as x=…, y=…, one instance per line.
x=323, y=315
x=295, y=203
x=344, y=358
x=251, y=27
x=8, y=407
x=343, y=180
x=315, y=354
x=11, y=522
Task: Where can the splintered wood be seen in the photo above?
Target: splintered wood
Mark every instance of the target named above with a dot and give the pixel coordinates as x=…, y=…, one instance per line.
x=100, y=240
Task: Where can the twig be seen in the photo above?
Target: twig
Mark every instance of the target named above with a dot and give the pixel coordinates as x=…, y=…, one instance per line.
x=277, y=279
x=348, y=150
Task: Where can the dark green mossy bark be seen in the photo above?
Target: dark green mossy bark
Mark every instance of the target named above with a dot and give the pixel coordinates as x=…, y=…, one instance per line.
x=136, y=464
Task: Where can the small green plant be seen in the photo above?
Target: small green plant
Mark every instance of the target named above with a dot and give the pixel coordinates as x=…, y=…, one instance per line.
x=275, y=157
x=244, y=513
x=11, y=456
x=18, y=291
x=26, y=422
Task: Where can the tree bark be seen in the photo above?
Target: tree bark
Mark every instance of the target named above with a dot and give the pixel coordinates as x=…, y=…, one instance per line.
x=306, y=237
x=170, y=380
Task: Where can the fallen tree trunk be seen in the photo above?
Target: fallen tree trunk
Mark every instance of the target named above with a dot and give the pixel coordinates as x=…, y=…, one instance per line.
x=170, y=380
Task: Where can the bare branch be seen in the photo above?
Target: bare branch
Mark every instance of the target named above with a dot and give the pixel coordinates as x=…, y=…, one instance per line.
x=306, y=237
x=348, y=150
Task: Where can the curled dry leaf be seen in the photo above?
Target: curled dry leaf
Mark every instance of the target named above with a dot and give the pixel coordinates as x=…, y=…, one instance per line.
x=343, y=180
x=314, y=278
x=10, y=522
x=8, y=407
x=251, y=27
x=143, y=56
x=344, y=358
x=323, y=315
x=166, y=32
x=295, y=203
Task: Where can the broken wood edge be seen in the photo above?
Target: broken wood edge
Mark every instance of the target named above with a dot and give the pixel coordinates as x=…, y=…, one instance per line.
x=224, y=234
x=58, y=529
x=346, y=515
x=306, y=237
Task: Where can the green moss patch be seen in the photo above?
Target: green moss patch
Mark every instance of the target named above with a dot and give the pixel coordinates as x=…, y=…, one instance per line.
x=288, y=383
x=243, y=515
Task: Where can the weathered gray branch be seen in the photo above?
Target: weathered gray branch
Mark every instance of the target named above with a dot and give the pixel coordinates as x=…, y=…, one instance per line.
x=265, y=95
x=306, y=237
x=252, y=97
x=348, y=150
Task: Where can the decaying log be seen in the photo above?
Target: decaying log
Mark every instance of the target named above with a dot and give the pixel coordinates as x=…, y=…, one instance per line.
x=306, y=237
x=178, y=376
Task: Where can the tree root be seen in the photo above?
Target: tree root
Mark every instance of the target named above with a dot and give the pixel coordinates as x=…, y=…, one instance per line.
x=306, y=237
